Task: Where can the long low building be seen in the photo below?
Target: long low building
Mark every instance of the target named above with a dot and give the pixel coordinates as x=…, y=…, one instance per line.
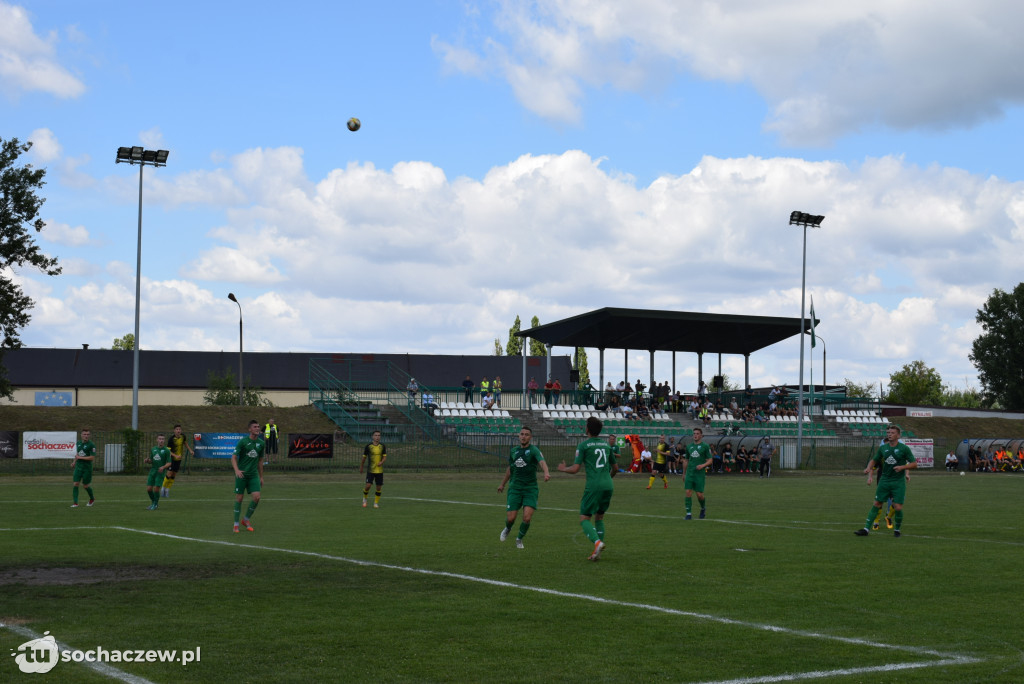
x=103, y=377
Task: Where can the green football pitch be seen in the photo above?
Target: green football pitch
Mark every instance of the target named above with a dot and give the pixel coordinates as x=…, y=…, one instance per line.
x=772, y=587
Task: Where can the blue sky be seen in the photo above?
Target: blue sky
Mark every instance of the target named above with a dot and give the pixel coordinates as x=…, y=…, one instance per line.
x=544, y=158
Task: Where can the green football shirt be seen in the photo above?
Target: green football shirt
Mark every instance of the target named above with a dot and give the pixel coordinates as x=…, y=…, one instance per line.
x=598, y=459
x=159, y=457
x=86, y=448
x=697, y=454
x=248, y=453
x=523, y=463
x=888, y=457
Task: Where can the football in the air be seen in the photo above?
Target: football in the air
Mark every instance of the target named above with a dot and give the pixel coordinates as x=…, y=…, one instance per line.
x=353, y=124
x=961, y=472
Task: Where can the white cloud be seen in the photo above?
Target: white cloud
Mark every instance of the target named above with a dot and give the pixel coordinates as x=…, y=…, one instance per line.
x=29, y=62
x=153, y=138
x=45, y=147
x=63, y=234
x=825, y=68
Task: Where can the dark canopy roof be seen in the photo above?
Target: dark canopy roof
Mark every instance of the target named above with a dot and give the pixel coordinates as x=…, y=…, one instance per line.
x=642, y=329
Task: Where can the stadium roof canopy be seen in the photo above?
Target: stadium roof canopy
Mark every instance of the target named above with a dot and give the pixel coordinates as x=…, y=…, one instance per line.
x=643, y=329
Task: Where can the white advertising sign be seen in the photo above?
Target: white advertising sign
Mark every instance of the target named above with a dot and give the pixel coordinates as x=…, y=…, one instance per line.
x=48, y=444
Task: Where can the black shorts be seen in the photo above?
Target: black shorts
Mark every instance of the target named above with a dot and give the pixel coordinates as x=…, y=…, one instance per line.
x=375, y=478
x=660, y=468
x=175, y=464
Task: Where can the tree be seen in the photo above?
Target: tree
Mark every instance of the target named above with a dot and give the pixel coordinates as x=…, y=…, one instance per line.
x=126, y=343
x=855, y=391
x=915, y=383
x=222, y=390
x=19, y=215
x=962, y=398
x=998, y=353
x=498, y=351
x=515, y=344
x=581, y=366
x=537, y=347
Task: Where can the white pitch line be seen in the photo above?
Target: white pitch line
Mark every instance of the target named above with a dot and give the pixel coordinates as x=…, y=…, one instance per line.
x=101, y=668
x=821, y=674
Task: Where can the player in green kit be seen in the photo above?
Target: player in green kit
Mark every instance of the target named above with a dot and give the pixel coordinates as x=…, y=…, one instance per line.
x=160, y=460
x=696, y=470
x=85, y=454
x=247, y=460
x=598, y=457
x=522, y=493
x=893, y=458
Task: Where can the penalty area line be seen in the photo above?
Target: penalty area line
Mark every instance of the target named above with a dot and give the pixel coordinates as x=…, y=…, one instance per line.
x=945, y=658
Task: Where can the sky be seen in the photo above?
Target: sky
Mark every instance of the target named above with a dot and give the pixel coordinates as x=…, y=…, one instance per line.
x=543, y=158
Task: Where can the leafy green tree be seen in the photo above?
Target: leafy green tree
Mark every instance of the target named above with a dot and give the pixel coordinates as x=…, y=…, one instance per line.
x=222, y=390
x=19, y=215
x=126, y=343
x=962, y=398
x=514, y=347
x=581, y=366
x=537, y=347
x=998, y=353
x=498, y=350
x=855, y=391
x=915, y=383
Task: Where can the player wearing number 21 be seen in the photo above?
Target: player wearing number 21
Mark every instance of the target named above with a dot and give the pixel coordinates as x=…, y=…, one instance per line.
x=597, y=456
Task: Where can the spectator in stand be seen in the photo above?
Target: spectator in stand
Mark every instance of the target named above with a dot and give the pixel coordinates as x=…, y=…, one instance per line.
x=702, y=390
x=704, y=415
x=556, y=390
x=627, y=412
x=429, y=405
x=412, y=388
x=640, y=387
x=621, y=388
x=952, y=463
x=774, y=394
x=627, y=392
x=748, y=394
x=734, y=408
x=487, y=401
x=742, y=460
x=485, y=388
x=497, y=390
x=547, y=392
x=673, y=402
x=532, y=386
x=468, y=384
x=609, y=392
x=693, y=408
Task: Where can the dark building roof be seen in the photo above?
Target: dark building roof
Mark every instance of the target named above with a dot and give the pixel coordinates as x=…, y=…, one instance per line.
x=289, y=371
x=642, y=329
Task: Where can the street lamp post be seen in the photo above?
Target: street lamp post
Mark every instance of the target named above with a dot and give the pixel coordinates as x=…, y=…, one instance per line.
x=137, y=155
x=231, y=296
x=799, y=218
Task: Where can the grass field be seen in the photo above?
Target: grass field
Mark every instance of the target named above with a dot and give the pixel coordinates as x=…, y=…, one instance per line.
x=773, y=587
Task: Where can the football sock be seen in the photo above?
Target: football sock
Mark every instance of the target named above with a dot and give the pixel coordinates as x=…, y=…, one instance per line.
x=376, y=497
x=701, y=502
x=238, y=511
x=665, y=479
x=152, y=496
x=252, y=507
x=74, y=494
x=523, y=528
x=651, y=482
x=167, y=482
x=872, y=516
x=588, y=529
x=88, y=490
x=897, y=518
x=508, y=524
x=599, y=526
x=689, y=504
x=366, y=491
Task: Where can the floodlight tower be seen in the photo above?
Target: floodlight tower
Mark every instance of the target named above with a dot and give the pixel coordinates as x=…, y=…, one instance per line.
x=799, y=218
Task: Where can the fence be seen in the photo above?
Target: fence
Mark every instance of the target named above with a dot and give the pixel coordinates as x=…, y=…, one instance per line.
x=481, y=453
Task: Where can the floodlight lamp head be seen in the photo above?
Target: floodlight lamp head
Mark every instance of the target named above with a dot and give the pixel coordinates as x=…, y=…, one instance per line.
x=799, y=218
x=231, y=296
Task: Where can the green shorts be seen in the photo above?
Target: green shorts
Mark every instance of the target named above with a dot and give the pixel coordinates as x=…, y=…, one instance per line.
x=595, y=501
x=247, y=483
x=519, y=498
x=83, y=473
x=897, y=489
x=155, y=478
x=695, y=481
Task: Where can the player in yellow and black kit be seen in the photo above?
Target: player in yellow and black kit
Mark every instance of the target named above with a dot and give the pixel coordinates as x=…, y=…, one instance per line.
x=177, y=444
x=374, y=456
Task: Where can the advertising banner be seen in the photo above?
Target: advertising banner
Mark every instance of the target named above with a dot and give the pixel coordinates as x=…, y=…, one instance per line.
x=310, y=446
x=216, y=444
x=8, y=444
x=923, y=452
x=49, y=444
